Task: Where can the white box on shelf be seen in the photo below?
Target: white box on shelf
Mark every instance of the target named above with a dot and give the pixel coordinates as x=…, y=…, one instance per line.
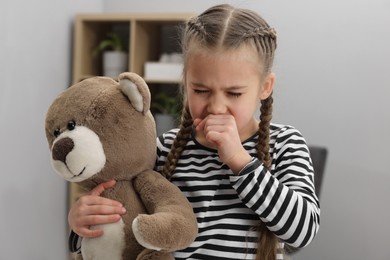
x=163, y=71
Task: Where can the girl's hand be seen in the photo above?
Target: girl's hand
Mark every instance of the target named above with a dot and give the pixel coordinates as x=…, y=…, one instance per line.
x=221, y=132
x=91, y=209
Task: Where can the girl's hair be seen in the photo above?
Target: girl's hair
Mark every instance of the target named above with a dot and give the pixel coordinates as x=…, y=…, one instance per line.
x=225, y=27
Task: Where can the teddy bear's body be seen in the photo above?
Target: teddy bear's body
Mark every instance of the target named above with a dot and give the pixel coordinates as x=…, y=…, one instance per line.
x=100, y=130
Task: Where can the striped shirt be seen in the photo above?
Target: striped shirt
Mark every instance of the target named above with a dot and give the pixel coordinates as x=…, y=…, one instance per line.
x=229, y=206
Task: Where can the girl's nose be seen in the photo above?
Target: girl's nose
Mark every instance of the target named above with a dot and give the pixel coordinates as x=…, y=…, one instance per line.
x=216, y=106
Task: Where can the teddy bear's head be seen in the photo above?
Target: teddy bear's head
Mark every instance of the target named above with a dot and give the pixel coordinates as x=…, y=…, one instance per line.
x=100, y=129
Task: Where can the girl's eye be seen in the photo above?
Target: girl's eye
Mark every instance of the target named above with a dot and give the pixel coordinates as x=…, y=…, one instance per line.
x=71, y=125
x=201, y=91
x=234, y=94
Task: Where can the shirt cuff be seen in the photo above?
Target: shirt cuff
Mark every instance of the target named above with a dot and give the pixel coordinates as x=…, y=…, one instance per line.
x=250, y=167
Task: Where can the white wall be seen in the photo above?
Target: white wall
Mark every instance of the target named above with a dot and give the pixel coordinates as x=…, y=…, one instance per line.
x=35, y=56
x=334, y=85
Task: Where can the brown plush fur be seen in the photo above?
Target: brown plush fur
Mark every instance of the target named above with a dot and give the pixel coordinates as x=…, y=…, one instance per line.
x=165, y=218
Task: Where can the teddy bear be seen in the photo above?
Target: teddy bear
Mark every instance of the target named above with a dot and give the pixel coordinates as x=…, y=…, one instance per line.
x=102, y=129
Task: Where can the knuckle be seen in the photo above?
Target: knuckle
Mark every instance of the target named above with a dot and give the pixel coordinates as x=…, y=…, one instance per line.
x=95, y=219
x=82, y=210
x=82, y=200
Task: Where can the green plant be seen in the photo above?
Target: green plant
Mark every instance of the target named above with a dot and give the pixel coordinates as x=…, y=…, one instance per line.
x=112, y=42
x=166, y=104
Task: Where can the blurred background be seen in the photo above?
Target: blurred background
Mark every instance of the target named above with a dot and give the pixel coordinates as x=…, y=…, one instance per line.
x=333, y=84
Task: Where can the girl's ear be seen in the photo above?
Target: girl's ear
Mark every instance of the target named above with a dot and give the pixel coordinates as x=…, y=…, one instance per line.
x=268, y=86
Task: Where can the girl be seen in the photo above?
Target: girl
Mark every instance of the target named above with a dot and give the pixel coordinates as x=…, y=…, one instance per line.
x=250, y=182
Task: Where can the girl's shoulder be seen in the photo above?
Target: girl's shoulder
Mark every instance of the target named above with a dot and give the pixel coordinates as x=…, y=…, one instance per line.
x=286, y=136
x=280, y=130
x=166, y=139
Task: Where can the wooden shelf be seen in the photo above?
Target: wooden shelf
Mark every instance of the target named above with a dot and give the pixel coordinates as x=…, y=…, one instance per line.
x=144, y=34
x=147, y=36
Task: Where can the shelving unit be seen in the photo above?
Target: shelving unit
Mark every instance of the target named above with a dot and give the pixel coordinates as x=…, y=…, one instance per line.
x=147, y=36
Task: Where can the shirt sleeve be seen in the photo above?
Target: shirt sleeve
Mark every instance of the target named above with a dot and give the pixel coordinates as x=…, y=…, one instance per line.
x=164, y=143
x=284, y=198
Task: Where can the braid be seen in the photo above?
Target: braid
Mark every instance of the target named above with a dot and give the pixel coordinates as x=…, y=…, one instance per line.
x=260, y=32
x=178, y=144
x=268, y=241
x=196, y=25
x=268, y=244
x=263, y=143
x=264, y=39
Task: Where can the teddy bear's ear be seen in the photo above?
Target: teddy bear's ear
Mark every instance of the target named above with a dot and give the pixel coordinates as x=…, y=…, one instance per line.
x=136, y=90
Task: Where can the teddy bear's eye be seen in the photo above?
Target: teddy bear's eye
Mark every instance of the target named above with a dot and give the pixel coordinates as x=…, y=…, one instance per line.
x=71, y=125
x=56, y=132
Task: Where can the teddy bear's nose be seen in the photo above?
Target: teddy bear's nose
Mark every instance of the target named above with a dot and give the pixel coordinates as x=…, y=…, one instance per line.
x=62, y=148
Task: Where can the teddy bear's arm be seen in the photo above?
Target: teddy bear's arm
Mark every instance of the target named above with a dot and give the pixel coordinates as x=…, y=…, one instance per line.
x=171, y=224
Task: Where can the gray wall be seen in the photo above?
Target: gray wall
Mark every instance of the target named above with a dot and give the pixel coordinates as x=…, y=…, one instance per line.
x=334, y=85
x=35, y=56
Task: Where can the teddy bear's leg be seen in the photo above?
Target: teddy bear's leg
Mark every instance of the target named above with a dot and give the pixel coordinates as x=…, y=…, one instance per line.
x=149, y=254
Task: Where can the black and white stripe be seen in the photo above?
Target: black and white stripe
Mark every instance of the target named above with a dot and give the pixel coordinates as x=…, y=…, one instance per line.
x=229, y=206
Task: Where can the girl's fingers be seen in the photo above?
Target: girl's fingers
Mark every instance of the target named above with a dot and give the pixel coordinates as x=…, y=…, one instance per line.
x=85, y=232
x=101, y=219
x=217, y=128
x=199, y=124
x=93, y=220
x=101, y=210
x=102, y=187
x=92, y=209
x=90, y=200
x=214, y=120
x=197, y=121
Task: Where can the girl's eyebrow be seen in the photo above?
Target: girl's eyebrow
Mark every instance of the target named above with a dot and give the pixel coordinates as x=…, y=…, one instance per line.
x=234, y=87
x=198, y=84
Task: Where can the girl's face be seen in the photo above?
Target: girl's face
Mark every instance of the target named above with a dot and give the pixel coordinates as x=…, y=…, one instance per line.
x=227, y=82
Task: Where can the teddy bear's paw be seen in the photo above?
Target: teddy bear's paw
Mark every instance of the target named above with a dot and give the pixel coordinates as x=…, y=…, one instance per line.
x=148, y=254
x=163, y=231
x=142, y=235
